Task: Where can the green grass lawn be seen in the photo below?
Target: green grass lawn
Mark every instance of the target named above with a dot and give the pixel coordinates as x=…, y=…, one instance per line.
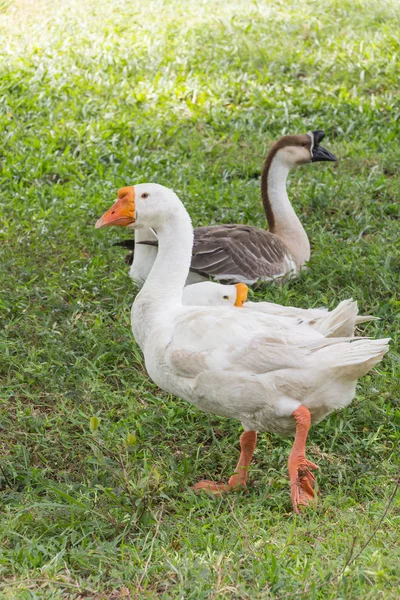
x=96, y=95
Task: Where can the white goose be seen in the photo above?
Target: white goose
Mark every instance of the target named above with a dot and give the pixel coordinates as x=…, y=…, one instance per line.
x=254, y=367
x=243, y=253
x=339, y=322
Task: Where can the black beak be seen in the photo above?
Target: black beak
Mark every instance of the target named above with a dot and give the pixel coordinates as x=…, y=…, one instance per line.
x=319, y=152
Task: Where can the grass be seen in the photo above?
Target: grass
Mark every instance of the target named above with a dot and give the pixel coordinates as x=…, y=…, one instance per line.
x=96, y=461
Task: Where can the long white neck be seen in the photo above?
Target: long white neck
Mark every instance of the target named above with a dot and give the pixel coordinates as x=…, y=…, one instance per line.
x=166, y=280
x=144, y=235
x=282, y=219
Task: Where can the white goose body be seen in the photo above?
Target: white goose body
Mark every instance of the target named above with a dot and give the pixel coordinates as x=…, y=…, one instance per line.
x=262, y=382
x=269, y=373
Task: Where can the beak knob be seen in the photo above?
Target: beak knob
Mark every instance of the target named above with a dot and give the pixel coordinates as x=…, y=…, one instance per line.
x=122, y=211
x=318, y=136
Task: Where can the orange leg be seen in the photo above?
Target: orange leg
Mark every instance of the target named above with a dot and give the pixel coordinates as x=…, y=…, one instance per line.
x=248, y=441
x=301, y=479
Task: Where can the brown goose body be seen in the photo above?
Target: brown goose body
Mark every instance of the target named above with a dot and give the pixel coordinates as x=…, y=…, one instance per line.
x=239, y=253
x=244, y=253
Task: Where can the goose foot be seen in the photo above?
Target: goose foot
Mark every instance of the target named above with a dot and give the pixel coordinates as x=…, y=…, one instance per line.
x=302, y=481
x=248, y=441
x=210, y=486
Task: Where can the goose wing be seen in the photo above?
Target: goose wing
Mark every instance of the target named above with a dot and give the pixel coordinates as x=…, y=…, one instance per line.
x=216, y=338
x=286, y=311
x=239, y=253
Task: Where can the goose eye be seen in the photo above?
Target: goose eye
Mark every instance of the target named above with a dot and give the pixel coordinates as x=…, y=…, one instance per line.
x=226, y=297
x=145, y=195
x=305, y=144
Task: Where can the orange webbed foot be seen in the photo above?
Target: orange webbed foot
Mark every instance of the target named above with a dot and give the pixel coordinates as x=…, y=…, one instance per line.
x=301, y=481
x=210, y=486
x=236, y=482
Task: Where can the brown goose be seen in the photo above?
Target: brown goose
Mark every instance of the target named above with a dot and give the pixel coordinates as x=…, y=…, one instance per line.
x=244, y=253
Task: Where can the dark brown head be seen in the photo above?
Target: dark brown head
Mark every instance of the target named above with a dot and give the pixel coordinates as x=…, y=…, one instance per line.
x=300, y=149
x=292, y=150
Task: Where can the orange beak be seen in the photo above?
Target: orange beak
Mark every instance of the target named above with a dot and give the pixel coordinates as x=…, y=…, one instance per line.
x=122, y=212
x=241, y=294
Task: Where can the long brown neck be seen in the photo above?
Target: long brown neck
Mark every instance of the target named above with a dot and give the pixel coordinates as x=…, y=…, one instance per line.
x=269, y=213
x=281, y=217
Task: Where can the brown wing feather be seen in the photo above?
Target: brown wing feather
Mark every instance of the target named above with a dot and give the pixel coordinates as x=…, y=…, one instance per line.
x=238, y=253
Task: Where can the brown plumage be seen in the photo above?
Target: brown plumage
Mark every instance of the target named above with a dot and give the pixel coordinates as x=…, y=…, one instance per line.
x=237, y=253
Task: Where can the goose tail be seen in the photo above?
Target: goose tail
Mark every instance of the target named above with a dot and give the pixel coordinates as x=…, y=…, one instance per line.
x=341, y=321
x=365, y=319
x=356, y=357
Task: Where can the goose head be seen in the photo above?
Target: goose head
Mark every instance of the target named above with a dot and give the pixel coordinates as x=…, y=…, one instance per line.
x=294, y=150
x=143, y=205
x=219, y=294
x=209, y=293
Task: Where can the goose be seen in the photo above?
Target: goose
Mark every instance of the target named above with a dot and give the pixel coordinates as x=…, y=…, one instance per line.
x=339, y=322
x=244, y=253
x=269, y=373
